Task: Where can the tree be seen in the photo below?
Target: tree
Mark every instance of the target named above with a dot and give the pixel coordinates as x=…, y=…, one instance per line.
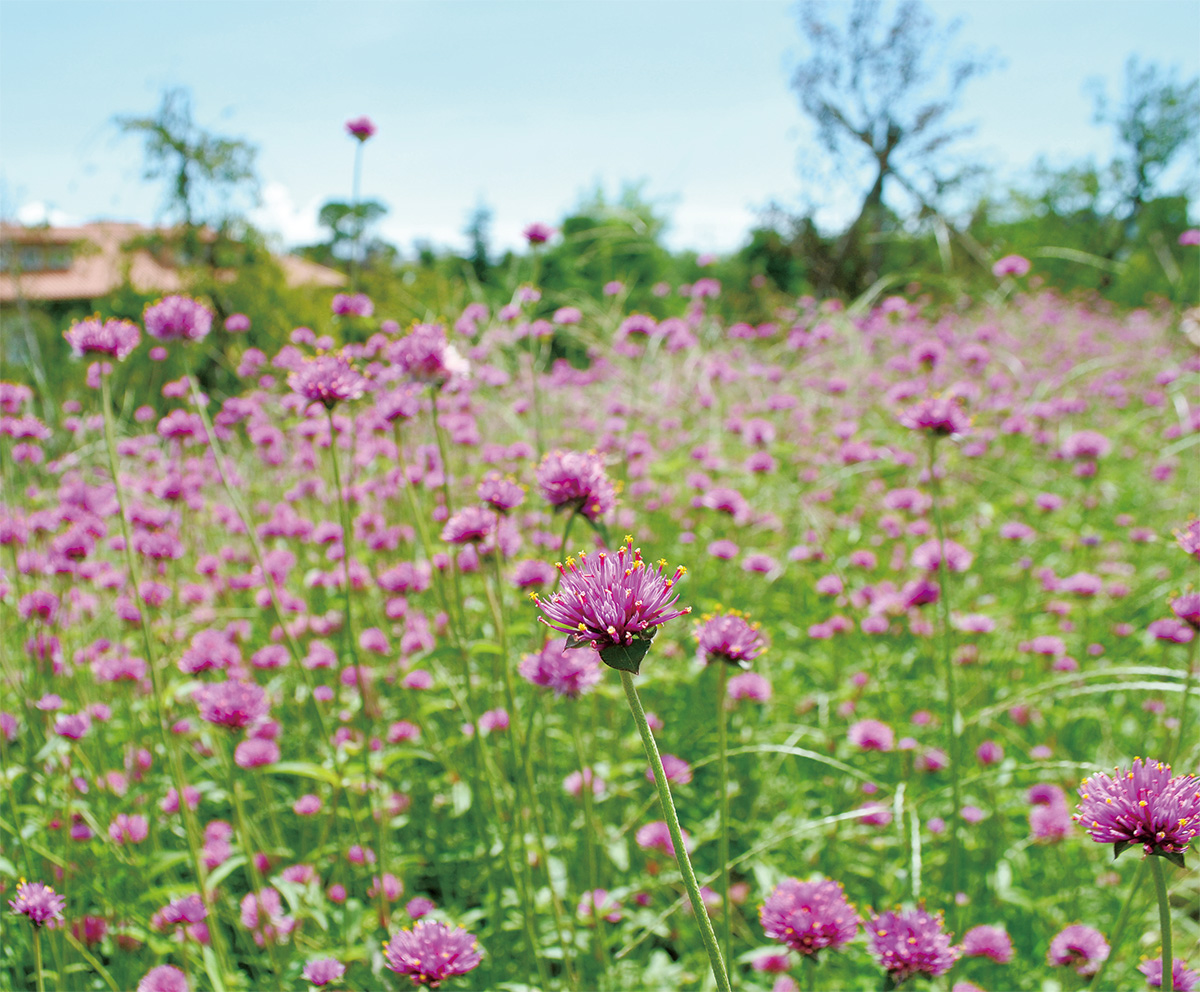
x=882, y=96
x=205, y=172
x=1156, y=122
x=479, y=231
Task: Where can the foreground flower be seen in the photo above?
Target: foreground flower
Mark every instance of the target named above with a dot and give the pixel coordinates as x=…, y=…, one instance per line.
x=39, y=902
x=116, y=338
x=1079, y=947
x=576, y=480
x=613, y=602
x=164, y=978
x=431, y=952
x=1183, y=979
x=178, y=318
x=729, y=637
x=538, y=233
x=328, y=380
x=360, y=127
x=809, y=916
x=913, y=943
x=1145, y=806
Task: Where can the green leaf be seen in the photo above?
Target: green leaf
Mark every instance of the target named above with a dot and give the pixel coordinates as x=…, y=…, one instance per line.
x=625, y=657
x=1175, y=857
x=1120, y=847
x=307, y=769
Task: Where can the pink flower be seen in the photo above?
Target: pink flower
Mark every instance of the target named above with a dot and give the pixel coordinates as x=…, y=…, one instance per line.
x=322, y=971
x=431, y=952
x=538, y=233
x=913, y=943
x=1011, y=265
x=809, y=916
x=577, y=481
x=988, y=942
x=729, y=637
x=39, y=902
x=360, y=127
x=1189, y=237
x=1079, y=947
x=178, y=318
x=113, y=337
x=570, y=672
x=164, y=978
x=871, y=735
x=328, y=380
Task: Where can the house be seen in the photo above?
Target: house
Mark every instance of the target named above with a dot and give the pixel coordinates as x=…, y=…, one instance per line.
x=65, y=264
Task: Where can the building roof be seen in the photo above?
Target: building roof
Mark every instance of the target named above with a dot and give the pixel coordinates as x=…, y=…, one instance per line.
x=98, y=259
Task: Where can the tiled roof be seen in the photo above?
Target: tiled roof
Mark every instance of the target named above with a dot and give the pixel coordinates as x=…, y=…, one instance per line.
x=99, y=261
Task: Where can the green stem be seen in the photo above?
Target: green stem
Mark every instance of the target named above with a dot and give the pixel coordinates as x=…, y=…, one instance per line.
x=1122, y=919
x=681, y=856
x=591, y=835
x=723, y=848
x=37, y=959
x=954, y=726
x=1164, y=921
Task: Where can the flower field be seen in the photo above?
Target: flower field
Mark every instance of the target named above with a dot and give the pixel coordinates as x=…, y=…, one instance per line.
x=352, y=678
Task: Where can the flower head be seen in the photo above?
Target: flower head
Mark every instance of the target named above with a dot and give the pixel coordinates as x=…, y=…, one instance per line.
x=729, y=637
x=871, y=735
x=164, y=978
x=113, y=337
x=1146, y=805
x=988, y=942
x=576, y=480
x=178, y=318
x=538, y=233
x=940, y=416
x=322, y=971
x=1079, y=947
x=1189, y=538
x=570, y=673
x=328, y=380
x=39, y=902
x=809, y=916
x=912, y=943
x=231, y=704
x=424, y=355
x=1011, y=265
x=614, y=602
x=352, y=305
x=500, y=493
x=470, y=525
x=360, y=127
x=1183, y=979
x=431, y=952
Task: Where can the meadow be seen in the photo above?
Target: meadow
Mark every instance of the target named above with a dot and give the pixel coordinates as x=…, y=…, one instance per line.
x=295, y=695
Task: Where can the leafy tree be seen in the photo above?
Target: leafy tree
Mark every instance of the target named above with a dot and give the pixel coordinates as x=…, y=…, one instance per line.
x=882, y=96
x=205, y=172
x=478, y=231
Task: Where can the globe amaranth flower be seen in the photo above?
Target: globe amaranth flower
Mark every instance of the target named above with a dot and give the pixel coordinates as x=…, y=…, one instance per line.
x=322, y=971
x=112, y=337
x=178, y=318
x=431, y=952
x=576, y=480
x=729, y=637
x=1183, y=979
x=164, y=978
x=500, y=493
x=1146, y=805
x=613, y=602
x=1188, y=538
x=570, y=673
x=928, y=556
x=1187, y=608
x=913, y=943
x=231, y=703
x=809, y=916
x=328, y=380
x=470, y=525
x=988, y=942
x=424, y=355
x=352, y=305
x=1011, y=265
x=538, y=233
x=1079, y=947
x=39, y=902
x=940, y=416
x=360, y=127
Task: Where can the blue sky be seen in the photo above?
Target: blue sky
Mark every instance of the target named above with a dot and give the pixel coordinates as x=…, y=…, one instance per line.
x=524, y=106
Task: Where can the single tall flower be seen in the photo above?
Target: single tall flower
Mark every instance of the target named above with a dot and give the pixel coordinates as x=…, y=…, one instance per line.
x=613, y=602
x=1146, y=805
x=729, y=637
x=576, y=480
x=328, y=380
x=113, y=337
x=39, y=902
x=431, y=952
x=809, y=916
x=178, y=318
x=914, y=943
x=361, y=128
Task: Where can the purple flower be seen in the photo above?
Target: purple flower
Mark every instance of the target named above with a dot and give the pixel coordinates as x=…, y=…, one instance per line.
x=871, y=735
x=129, y=829
x=748, y=685
x=424, y=355
x=235, y=323
x=189, y=909
x=322, y=971
x=500, y=493
x=729, y=637
x=1187, y=608
x=255, y=753
x=231, y=704
x=538, y=233
x=470, y=525
x=914, y=943
x=677, y=771
x=576, y=480
x=1189, y=539
x=1183, y=979
x=570, y=673
x=1086, y=445
x=328, y=380
x=431, y=952
x=352, y=305
x=164, y=978
x=809, y=916
x=928, y=556
x=1011, y=265
x=361, y=128
x=1190, y=237
x=988, y=942
x=938, y=415
x=39, y=902
x=1079, y=947
x=614, y=602
x=599, y=902
x=1145, y=806
x=178, y=318
x=656, y=836
x=113, y=337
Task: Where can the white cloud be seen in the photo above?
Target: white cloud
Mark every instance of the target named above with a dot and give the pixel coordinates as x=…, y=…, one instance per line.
x=37, y=212
x=279, y=215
